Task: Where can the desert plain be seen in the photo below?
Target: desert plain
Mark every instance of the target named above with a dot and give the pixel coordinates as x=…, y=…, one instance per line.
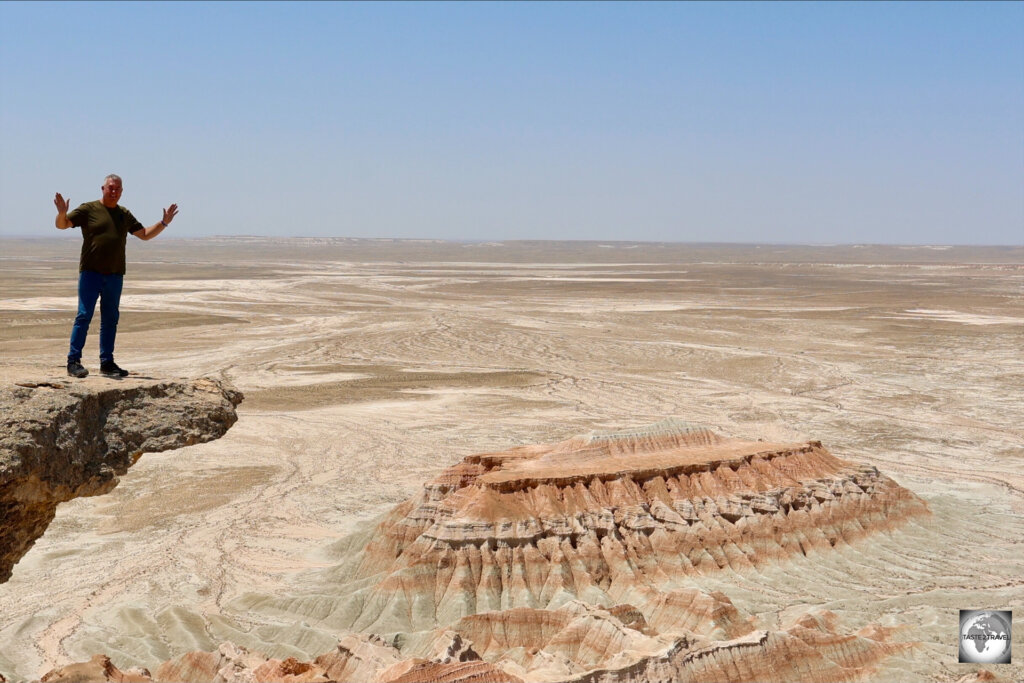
x=369, y=366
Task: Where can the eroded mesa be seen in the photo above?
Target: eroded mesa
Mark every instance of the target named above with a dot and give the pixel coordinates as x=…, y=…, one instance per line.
x=585, y=560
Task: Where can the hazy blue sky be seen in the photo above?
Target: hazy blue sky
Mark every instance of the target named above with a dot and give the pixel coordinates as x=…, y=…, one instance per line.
x=733, y=122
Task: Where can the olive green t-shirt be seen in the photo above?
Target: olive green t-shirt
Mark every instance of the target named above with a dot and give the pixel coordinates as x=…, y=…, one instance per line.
x=104, y=232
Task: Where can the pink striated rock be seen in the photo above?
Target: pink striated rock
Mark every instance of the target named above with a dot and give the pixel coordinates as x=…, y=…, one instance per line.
x=358, y=657
x=605, y=517
x=289, y=670
x=981, y=676
x=99, y=669
x=234, y=664
x=422, y=671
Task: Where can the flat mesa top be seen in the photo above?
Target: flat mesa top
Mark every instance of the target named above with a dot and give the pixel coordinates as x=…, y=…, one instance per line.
x=577, y=459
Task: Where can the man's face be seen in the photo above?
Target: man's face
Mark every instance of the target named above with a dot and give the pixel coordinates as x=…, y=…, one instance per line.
x=111, y=192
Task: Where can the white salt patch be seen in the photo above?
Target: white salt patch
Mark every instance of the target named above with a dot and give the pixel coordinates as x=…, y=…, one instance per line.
x=963, y=318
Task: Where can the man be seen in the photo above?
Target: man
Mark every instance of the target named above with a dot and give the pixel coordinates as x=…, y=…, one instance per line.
x=105, y=227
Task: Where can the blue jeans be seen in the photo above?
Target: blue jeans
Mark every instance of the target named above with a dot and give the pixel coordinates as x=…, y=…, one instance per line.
x=106, y=288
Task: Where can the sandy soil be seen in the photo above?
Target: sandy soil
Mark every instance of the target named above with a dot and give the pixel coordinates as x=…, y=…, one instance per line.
x=369, y=366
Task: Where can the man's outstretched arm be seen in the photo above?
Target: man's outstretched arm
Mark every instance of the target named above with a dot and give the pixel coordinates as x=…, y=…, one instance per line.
x=157, y=228
x=61, y=221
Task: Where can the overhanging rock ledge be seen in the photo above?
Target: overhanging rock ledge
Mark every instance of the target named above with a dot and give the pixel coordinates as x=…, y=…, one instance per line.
x=61, y=440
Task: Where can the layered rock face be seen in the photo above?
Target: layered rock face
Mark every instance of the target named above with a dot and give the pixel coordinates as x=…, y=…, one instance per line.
x=357, y=658
x=62, y=440
x=614, y=519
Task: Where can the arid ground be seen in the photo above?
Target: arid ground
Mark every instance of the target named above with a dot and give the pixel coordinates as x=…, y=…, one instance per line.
x=370, y=366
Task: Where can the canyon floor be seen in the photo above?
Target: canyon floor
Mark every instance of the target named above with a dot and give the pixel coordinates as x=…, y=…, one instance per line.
x=370, y=366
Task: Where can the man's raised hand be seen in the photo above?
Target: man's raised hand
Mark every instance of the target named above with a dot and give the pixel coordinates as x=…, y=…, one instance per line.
x=169, y=213
x=61, y=221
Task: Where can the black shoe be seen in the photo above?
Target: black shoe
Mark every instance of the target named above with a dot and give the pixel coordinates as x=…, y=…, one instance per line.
x=108, y=368
x=75, y=369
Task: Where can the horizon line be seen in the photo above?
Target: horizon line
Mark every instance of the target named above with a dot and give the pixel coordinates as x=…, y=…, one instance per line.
x=695, y=243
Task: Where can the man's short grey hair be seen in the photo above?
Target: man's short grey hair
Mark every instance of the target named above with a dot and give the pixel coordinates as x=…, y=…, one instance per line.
x=113, y=176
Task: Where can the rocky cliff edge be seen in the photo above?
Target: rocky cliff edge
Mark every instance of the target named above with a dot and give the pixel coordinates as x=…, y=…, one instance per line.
x=62, y=439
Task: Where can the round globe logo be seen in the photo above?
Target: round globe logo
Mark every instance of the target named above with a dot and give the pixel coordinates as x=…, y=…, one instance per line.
x=985, y=636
